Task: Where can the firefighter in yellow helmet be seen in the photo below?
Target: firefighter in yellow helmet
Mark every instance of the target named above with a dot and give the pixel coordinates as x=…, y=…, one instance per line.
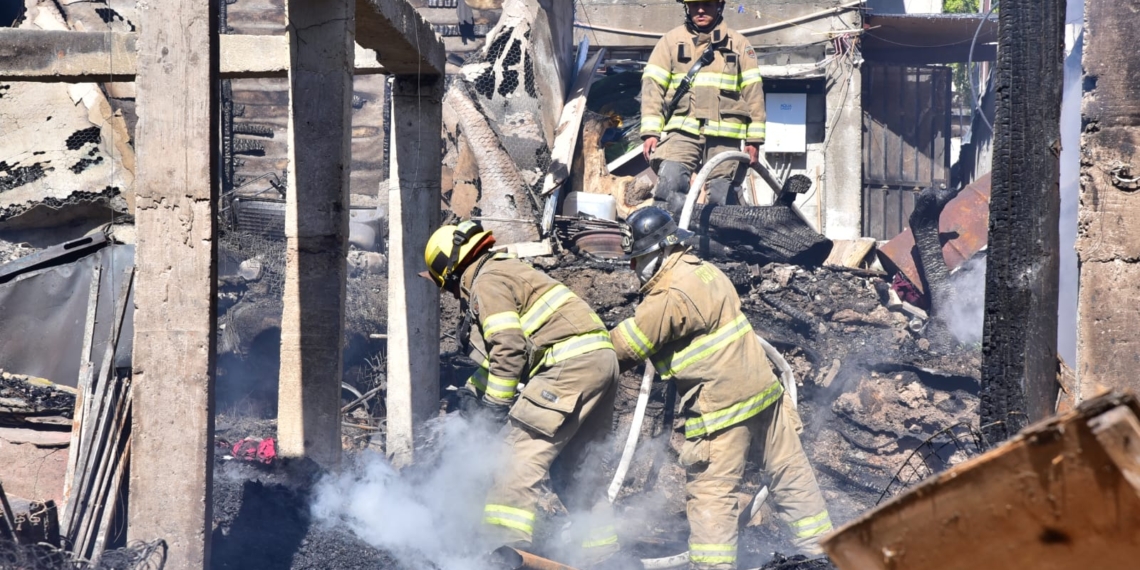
x=691, y=326
x=526, y=328
x=701, y=95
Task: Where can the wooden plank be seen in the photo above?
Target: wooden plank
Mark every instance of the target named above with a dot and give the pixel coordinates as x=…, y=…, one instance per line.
x=176, y=256
x=84, y=388
x=569, y=125
x=850, y=252
x=907, y=126
x=1118, y=432
x=1050, y=499
x=925, y=122
x=892, y=147
x=104, y=528
x=7, y=518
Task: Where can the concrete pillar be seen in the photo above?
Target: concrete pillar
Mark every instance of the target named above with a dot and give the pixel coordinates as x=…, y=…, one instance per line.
x=413, y=302
x=321, y=44
x=843, y=156
x=1108, y=238
x=1019, y=342
x=176, y=259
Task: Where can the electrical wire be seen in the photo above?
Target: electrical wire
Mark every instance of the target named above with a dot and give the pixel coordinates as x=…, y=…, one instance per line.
x=970, y=62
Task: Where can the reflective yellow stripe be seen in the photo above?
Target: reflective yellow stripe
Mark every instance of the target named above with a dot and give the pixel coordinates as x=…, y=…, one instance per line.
x=709, y=128
x=499, y=322
x=576, y=346
x=652, y=123
x=712, y=553
x=500, y=387
x=636, y=339
x=658, y=74
x=509, y=517
x=479, y=379
x=756, y=130
x=732, y=415
x=603, y=536
x=811, y=526
x=542, y=309
x=709, y=79
x=704, y=346
x=749, y=77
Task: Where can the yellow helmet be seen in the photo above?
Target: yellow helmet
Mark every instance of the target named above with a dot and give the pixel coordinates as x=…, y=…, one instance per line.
x=450, y=246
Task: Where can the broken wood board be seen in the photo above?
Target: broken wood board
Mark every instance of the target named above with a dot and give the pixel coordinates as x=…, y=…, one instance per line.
x=850, y=252
x=592, y=176
x=569, y=124
x=528, y=249
x=1051, y=498
x=36, y=437
x=1118, y=432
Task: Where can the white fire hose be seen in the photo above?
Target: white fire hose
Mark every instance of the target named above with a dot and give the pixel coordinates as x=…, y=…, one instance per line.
x=787, y=378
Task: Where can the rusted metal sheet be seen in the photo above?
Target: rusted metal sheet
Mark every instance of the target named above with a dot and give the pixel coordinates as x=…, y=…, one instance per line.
x=964, y=227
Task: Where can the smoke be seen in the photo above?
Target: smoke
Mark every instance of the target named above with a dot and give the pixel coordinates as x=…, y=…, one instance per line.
x=964, y=317
x=428, y=515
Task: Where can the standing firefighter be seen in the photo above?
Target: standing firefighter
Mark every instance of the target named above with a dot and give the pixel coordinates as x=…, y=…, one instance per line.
x=690, y=325
x=524, y=326
x=702, y=89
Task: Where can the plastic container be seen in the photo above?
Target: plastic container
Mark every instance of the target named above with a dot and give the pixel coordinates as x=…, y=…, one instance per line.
x=598, y=205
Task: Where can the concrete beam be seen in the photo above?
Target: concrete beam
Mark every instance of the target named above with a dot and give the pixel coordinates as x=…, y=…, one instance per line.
x=843, y=160
x=413, y=302
x=74, y=57
x=176, y=259
x=403, y=40
x=316, y=227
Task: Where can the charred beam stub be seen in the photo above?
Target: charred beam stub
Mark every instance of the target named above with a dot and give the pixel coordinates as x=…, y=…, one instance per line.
x=1020, y=331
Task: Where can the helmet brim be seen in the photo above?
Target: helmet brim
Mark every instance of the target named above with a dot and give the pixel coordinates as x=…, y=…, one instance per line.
x=678, y=237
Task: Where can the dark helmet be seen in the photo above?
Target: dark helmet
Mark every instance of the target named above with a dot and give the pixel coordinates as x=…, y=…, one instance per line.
x=652, y=229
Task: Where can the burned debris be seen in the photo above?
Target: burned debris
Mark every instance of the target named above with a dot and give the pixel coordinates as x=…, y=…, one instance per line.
x=219, y=354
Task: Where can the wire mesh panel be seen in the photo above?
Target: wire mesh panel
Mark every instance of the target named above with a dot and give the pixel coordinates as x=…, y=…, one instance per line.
x=944, y=449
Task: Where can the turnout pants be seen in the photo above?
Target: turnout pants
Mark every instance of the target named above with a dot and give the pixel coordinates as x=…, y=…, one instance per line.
x=715, y=467
x=679, y=155
x=565, y=451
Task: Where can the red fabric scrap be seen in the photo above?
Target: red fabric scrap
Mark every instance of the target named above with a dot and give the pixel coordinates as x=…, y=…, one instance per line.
x=254, y=449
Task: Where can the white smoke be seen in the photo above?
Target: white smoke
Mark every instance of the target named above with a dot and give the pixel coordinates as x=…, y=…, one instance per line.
x=427, y=516
x=965, y=316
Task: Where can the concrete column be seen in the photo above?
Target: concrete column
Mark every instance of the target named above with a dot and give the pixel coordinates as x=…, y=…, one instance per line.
x=321, y=44
x=1019, y=342
x=413, y=302
x=176, y=260
x=1108, y=238
x=843, y=156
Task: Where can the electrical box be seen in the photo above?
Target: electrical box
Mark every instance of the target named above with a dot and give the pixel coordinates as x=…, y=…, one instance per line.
x=786, y=130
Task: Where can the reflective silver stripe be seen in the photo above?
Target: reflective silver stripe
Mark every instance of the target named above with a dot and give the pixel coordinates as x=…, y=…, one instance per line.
x=732, y=415
x=658, y=74
x=542, y=309
x=499, y=322
x=704, y=346
x=749, y=76
x=652, y=123
x=499, y=387
x=808, y=527
x=479, y=379
x=712, y=553
x=509, y=517
x=600, y=537
x=577, y=346
x=636, y=339
x=756, y=130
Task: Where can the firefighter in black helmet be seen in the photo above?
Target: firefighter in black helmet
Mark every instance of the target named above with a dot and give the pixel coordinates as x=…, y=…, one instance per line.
x=691, y=326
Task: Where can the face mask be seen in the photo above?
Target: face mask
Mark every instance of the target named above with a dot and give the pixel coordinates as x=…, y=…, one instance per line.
x=646, y=266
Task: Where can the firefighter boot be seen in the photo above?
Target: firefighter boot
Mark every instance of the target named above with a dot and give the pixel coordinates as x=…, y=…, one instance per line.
x=672, y=186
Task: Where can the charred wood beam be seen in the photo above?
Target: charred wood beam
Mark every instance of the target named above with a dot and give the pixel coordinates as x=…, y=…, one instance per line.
x=1020, y=331
x=74, y=57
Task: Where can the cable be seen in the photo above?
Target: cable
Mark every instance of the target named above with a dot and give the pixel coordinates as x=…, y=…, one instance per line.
x=970, y=62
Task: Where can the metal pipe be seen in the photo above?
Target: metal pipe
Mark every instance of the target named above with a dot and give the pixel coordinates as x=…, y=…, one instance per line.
x=519, y=560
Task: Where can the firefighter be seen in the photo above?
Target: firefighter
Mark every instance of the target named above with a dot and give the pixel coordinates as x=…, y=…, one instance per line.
x=701, y=89
x=524, y=327
x=691, y=326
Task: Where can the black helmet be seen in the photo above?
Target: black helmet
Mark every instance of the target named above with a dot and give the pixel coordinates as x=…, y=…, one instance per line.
x=652, y=229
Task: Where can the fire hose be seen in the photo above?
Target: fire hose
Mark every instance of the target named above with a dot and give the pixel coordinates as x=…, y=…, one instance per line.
x=786, y=376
